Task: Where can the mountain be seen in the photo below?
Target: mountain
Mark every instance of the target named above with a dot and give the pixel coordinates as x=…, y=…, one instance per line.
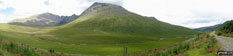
x=45, y=19
x=209, y=28
x=101, y=30
x=109, y=22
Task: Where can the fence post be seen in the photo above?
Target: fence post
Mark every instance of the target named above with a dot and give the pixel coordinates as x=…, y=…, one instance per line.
x=125, y=52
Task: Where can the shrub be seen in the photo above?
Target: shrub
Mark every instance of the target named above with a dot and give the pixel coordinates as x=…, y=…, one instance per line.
x=219, y=34
x=51, y=50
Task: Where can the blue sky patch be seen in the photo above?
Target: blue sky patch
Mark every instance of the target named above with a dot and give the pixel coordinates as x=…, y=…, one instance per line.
x=46, y=2
x=8, y=10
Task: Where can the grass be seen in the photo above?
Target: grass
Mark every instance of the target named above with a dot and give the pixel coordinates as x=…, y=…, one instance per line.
x=203, y=45
x=5, y=53
x=99, y=48
x=208, y=47
x=96, y=49
x=15, y=28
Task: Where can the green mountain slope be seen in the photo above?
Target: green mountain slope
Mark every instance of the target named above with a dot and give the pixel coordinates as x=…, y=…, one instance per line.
x=226, y=29
x=108, y=20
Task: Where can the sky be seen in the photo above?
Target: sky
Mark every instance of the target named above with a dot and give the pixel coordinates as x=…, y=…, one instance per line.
x=188, y=13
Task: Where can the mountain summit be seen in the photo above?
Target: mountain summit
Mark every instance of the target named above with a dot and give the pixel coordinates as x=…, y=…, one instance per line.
x=104, y=19
x=98, y=7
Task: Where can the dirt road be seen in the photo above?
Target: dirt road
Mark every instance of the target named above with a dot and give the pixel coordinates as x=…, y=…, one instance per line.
x=225, y=42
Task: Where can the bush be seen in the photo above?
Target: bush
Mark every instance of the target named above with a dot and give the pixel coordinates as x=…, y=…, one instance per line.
x=219, y=34
x=16, y=49
x=51, y=50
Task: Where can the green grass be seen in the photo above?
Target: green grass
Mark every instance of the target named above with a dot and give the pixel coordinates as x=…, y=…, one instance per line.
x=201, y=51
x=15, y=28
x=5, y=53
x=203, y=45
x=89, y=49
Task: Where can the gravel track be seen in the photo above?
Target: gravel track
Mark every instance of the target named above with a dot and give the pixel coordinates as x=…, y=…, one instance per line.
x=225, y=42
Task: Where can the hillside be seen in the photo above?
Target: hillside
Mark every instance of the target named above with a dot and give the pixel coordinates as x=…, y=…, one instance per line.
x=226, y=29
x=115, y=19
x=16, y=28
x=103, y=19
x=45, y=19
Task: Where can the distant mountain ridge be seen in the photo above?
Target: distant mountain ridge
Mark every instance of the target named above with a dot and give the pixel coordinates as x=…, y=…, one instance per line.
x=209, y=28
x=45, y=19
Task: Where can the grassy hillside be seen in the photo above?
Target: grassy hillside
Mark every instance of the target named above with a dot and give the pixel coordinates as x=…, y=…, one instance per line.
x=15, y=28
x=102, y=47
x=202, y=45
x=112, y=26
x=226, y=29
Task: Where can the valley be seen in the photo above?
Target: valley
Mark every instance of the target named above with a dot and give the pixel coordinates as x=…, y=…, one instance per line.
x=47, y=42
x=105, y=29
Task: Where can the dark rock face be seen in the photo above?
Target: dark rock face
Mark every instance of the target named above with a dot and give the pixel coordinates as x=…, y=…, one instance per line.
x=153, y=18
x=67, y=19
x=104, y=8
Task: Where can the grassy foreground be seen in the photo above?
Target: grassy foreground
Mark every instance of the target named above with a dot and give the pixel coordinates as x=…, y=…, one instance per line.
x=203, y=45
x=29, y=36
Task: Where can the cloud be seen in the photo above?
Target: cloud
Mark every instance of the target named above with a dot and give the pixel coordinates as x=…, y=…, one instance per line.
x=118, y=2
x=26, y=8
x=2, y=5
x=188, y=13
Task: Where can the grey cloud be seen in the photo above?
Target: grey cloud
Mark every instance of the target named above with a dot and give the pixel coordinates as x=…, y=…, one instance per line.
x=208, y=17
x=206, y=14
x=118, y=2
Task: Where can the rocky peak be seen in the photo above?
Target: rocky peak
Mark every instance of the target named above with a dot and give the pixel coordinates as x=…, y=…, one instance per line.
x=44, y=19
x=98, y=7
